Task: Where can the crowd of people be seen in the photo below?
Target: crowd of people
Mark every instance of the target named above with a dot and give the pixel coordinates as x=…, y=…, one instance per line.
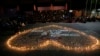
x=18, y=19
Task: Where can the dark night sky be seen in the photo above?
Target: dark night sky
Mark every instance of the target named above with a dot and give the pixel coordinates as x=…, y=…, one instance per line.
x=74, y=4
x=41, y=1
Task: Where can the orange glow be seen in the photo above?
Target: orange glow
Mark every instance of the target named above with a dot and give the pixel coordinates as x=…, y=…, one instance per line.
x=53, y=42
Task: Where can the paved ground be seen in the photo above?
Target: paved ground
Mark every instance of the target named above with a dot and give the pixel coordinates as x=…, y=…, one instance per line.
x=90, y=27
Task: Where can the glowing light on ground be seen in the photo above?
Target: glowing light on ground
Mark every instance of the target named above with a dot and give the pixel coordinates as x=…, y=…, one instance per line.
x=94, y=43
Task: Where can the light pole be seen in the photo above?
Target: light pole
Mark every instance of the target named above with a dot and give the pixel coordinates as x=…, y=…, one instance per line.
x=90, y=5
x=96, y=7
x=86, y=8
x=96, y=4
x=90, y=8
